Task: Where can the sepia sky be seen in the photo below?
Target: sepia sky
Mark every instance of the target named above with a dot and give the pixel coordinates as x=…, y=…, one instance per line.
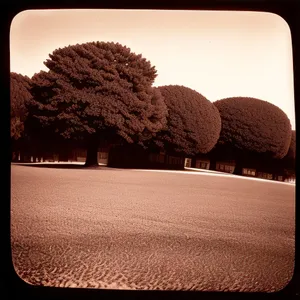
x=219, y=54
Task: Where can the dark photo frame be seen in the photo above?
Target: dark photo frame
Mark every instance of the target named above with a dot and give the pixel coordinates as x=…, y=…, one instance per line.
x=18, y=288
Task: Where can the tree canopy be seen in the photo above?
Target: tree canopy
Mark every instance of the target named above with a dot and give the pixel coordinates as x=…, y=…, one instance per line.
x=288, y=163
x=292, y=149
x=254, y=125
x=97, y=91
x=19, y=97
x=193, y=122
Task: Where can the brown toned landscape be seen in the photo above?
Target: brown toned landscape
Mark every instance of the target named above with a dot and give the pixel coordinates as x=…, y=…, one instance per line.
x=135, y=229
x=152, y=150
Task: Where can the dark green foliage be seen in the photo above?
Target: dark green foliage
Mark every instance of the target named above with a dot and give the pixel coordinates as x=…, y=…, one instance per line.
x=254, y=126
x=19, y=97
x=193, y=123
x=292, y=149
x=281, y=167
x=95, y=88
x=289, y=161
x=94, y=92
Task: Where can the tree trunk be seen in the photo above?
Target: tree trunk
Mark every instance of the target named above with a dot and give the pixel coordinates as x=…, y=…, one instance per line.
x=212, y=164
x=22, y=158
x=92, y=154
x=238, y=170
x=193, y=162
x=14, y=156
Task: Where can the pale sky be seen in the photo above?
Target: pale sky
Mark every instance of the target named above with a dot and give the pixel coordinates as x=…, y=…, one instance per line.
x=219, y=54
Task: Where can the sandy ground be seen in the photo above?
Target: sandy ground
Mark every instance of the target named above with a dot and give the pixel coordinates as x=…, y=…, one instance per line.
x=131, y=229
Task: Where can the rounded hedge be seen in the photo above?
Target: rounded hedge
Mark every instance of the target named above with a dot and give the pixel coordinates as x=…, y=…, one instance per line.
x=254, y=125
x=193, y=122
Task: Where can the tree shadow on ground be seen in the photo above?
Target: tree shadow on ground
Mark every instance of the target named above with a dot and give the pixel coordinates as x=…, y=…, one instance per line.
x=62, y=166
x=77, y=166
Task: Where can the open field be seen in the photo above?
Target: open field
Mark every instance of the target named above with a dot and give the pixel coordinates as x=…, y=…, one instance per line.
x=140, y=229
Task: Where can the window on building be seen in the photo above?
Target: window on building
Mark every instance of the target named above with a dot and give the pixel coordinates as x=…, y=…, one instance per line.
x=188, y=162
x=161, y=158
x=156, y=157
x=153, y=157
x=250, y=172
x=174, y=160
x=203, y=165
x=81, y=153
x=103, y=155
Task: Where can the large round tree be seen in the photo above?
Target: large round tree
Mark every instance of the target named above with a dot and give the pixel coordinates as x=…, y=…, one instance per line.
x=97, y=91
x=19, y=97
x=253, y=128
x=292, y=149
x=288, y=163
x=193, y=122
x=284, y=167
